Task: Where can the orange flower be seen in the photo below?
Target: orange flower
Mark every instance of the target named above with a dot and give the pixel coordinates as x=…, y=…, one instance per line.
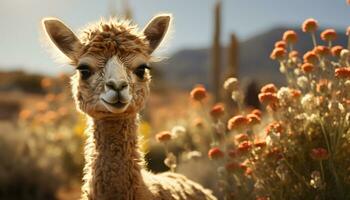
x=336, y=50
x=241, y=137
x=257, y=112
x=322, y=50
x=309, y=25
x=319, y=154
x=42, y=106
x=163, y=136
x=346, y=102
x=290, y=37
x=231, y=166
x=295, y=93
x=244, y=146
x=198, y=122
x=320, y=100
x=46, y=83
x=329, y=35
x=198, y=93
x=280, y=44
x=25, y=114
x=268, y=98
x=253, y=119
x=217, y=111
x=269, y=88
x=310, y=57
x=278, y=53
x=307, y=67
x=260, y=143
x=293, y=54
x=248, y=171
x=342, y=72
x=237, y=122
x=215, y=153
x=243, y=165
x=274, y=127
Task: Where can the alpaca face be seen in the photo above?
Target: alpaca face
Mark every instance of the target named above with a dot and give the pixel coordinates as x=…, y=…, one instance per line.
x=114, y=88
x=112, y=63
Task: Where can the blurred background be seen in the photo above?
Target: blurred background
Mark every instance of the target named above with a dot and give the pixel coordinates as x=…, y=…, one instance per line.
x=41, y=134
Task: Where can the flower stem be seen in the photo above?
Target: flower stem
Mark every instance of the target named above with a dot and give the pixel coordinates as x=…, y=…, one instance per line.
x=325, y=137
x=330, y=44
x=322, y=171
x=295, y=172
x=337, y=183
x=290, y=47
x=313, y=36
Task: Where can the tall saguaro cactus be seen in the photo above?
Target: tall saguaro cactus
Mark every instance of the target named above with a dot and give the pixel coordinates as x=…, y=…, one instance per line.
x=231, y=71
x=112, y=8
x=127, y=10
x=216, y=52
x=124, y=9
x=233, y=57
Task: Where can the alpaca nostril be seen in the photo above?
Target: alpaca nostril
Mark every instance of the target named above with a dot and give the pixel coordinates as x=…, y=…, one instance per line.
x=111, y=85
x=116, y=85
x=123, y=85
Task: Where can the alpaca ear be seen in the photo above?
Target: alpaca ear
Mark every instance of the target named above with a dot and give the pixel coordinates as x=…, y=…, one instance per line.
x=156, y=30
x=63, y=38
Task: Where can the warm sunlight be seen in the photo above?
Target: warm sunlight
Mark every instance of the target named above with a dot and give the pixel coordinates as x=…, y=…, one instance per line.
x=163, y=99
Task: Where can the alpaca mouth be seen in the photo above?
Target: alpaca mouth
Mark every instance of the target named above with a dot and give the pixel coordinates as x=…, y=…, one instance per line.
x=115, y=107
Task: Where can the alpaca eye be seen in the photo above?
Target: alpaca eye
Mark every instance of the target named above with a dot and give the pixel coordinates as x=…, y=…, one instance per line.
x=84, y=71
x=140, y=71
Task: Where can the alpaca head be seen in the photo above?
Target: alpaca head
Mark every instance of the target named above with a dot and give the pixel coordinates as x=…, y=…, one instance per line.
x=112, y=63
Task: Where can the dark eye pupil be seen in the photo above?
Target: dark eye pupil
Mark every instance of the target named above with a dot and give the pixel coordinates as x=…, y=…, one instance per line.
x=140, y=71
x=85, y=74
x=84, y=71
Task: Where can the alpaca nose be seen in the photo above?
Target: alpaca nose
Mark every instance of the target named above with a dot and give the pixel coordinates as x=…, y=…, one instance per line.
x=116, y=85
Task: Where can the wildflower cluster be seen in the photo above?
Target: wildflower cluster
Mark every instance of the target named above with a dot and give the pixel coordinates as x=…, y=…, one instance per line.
x=309, y=135
x=227, y=140
x=298, y=148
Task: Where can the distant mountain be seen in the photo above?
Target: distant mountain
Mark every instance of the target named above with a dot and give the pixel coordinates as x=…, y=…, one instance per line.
x=191, y=66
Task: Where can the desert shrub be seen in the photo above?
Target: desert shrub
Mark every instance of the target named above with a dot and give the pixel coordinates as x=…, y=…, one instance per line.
x=19, y=80
x=21, y=176
x=44, y=151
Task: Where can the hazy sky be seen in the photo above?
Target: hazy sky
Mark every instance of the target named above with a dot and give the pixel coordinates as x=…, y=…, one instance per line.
x=20, y=46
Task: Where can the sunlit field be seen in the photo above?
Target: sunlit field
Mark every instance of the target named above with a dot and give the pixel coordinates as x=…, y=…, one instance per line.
x=265, y=118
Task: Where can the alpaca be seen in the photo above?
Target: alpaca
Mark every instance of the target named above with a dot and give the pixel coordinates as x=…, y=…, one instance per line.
x=110, y=87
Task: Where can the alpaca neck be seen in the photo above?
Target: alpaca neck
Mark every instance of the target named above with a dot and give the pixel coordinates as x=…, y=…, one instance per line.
x=113, y=162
